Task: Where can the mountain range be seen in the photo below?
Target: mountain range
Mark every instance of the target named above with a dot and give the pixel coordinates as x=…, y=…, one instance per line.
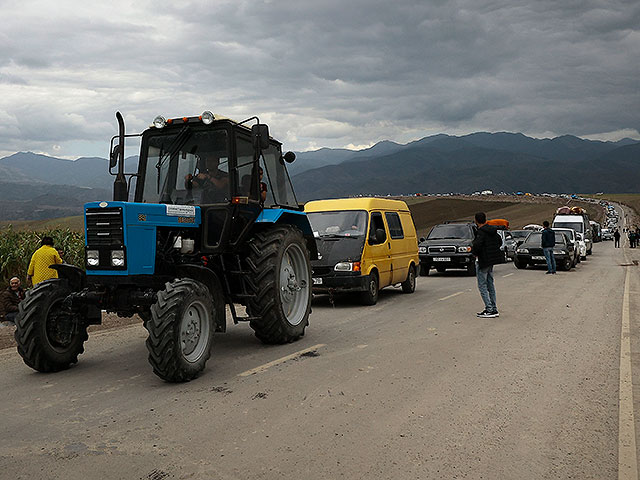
x=34, y=186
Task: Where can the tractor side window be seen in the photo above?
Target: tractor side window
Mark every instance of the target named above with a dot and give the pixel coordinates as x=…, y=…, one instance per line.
x=377, y=223
x=277, y=180
x=246, y=183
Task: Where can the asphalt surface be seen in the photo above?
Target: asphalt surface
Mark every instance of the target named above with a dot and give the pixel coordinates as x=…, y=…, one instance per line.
x=414, y=387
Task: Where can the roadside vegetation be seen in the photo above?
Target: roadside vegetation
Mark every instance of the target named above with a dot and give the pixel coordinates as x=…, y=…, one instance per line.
x=17, y=246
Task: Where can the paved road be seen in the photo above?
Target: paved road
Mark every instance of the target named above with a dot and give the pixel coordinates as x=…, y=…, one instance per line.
x=414, y=387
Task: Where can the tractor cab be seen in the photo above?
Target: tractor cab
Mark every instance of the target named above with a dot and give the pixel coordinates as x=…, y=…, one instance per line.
x=214, y=222
x=229, y=170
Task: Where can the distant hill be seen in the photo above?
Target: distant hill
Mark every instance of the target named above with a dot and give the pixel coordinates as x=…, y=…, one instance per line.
x=36, y=186
x=501, y=162
x=28, y=167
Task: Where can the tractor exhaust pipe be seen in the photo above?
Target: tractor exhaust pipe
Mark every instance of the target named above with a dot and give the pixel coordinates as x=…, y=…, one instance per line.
x=120, y=193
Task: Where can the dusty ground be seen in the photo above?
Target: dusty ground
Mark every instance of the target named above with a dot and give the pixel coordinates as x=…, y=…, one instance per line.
x=108, y=321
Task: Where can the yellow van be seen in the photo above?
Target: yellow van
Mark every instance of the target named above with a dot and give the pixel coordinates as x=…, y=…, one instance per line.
x=364, y=244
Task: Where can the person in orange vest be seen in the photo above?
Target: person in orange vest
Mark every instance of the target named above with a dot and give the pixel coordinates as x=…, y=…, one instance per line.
x=41, y=259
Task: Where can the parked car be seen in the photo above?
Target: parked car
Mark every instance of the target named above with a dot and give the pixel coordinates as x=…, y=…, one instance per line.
x=519, y=235
x=364, y=245
x=508, y=246
x=530, y=252
x=448, y=246
x=607, y=234
x=573, y=238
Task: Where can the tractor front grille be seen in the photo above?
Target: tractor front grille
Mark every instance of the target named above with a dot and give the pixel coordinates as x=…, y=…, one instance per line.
x=104, y=227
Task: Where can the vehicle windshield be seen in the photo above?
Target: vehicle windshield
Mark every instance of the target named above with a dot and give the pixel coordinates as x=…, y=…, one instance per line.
x=345, y=223
x=520, y=233
x=577, y=226
x=187, y=167
x=441, y=232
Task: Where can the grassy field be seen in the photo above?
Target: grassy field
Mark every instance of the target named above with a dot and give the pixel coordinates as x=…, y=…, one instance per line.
x=75, y=224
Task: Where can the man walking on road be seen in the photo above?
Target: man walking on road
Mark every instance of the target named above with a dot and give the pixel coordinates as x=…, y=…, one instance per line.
x=616, y=239
x=548, y=242
x=486, y=248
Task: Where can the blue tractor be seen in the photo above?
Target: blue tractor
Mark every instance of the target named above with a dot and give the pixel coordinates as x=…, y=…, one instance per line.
x=214, y=222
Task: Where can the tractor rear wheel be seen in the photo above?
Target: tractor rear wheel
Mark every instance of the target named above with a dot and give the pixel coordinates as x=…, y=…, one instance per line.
x=281, y=284
x=49, y=335
x=181, y=330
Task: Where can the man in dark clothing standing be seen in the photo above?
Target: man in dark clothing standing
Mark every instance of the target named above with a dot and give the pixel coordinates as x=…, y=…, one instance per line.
x=486, y=248
x=9, y=300
x=548, y=242
x=616, y=239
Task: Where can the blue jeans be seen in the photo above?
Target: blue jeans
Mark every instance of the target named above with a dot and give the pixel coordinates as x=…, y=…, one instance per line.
x=551, y=260
x=486, y=287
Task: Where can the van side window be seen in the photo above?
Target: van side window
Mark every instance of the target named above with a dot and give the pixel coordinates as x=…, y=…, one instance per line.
x=377, y=223
x=395, y=226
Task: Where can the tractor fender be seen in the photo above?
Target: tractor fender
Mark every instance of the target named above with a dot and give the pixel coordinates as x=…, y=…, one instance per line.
x=280, y=216
x=76, y=277
x=211, y=280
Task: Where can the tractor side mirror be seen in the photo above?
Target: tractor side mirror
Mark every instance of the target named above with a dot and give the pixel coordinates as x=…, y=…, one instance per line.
x=289, y=157
x=113, y=158
x=260, y=136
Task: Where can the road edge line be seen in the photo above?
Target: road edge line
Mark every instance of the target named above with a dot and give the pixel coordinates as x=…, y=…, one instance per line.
x=627, y=454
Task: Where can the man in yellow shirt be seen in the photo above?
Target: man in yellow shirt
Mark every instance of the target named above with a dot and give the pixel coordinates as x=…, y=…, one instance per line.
x=42, y=258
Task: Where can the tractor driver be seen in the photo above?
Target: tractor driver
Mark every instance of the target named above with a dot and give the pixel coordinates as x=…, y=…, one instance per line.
x=213, y=181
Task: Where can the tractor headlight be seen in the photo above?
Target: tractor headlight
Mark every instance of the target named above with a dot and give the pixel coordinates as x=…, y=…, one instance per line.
x=159, y=121
x=207, y=117
x=117, y=258
x=93, y=258
x=347, y=267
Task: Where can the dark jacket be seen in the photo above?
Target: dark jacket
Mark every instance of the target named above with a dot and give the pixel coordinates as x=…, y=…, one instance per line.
x=9, y=301
x=616, y=235
x=548, y=238
x=486, y=246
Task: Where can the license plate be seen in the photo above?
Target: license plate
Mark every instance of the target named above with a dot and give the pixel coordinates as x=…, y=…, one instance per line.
x=537, y=257
x=441, y=259
x=317, y=281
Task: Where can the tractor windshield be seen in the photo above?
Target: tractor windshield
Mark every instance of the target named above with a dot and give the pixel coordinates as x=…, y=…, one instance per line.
x=187, y=167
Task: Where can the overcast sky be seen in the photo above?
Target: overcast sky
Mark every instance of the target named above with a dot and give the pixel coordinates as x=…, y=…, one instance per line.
x=345, y=73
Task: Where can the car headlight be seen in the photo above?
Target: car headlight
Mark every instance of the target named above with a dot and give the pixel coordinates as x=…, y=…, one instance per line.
x=93, y=258
x=559, y=252
x=347, y=267
x=117, y=258
x=464, y=249
x=422, y=249
x=522, y=250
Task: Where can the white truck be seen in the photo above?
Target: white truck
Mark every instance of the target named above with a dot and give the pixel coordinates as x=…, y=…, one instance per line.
x=578, y=222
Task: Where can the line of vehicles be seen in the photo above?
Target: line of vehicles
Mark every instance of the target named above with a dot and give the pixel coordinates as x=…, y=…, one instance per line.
x=213, y=222
x=448, y=245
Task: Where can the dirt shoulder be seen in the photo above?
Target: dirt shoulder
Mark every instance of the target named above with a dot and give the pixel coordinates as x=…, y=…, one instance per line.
x=109, y=321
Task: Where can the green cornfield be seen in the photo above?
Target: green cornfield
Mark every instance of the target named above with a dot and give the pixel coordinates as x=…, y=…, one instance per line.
x=16, y=248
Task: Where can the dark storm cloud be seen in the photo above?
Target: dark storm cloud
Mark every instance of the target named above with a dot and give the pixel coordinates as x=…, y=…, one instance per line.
x=324, y=73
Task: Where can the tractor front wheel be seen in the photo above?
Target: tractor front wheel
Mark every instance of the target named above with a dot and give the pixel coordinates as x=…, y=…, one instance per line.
x=181, y=330
x=281, y=285
x=49, y=335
